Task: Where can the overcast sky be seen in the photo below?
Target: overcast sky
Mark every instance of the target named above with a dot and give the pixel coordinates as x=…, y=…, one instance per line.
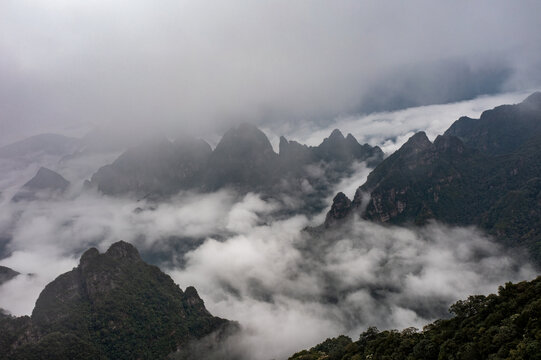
x=68, y=65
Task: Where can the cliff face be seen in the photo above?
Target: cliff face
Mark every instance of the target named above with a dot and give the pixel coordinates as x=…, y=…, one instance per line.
x=115, y=306
x=483, y=172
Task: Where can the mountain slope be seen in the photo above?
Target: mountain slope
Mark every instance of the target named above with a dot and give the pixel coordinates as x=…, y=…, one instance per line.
x=503, y=326
x=45, y=183
x=480, y=177
x=49, y=144
x=243, y=160
x=7, y=274
x=112, y=306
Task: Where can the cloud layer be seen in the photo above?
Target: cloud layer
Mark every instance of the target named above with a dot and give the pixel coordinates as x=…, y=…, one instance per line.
x=288, y=290
x=192, y=66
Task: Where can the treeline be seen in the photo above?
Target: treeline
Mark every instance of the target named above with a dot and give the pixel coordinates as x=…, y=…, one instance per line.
x=502, y=326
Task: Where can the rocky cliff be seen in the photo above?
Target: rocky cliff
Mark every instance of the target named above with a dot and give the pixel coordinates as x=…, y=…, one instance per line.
x=111, y=306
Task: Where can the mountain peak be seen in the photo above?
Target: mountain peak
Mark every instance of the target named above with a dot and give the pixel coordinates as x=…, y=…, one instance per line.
x=336, y=135
x=418, y=142
x=244, y=137
x=123, y=250
x=146, y=314
x=534, y=100
x=340, y=209
x=47, y=179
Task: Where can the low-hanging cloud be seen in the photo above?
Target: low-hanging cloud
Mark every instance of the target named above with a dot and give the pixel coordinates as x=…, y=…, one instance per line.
x=287, y=289
x=184, y=65
x=290, y=291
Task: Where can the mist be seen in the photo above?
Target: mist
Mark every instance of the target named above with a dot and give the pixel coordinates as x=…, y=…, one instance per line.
x=287, y=288
x=180, y=66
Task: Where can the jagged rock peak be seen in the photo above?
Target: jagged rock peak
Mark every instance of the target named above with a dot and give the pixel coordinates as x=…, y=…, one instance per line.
x=88, y=255
x=283, y=142
x=123, y=250
x=243, y=135
x=419, y=141
x=341, y=205
x=534, y=100
x=336, y=135
x=351, y=138
x=47, y=179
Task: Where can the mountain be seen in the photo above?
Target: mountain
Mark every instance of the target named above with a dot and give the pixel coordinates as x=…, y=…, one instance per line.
x=45, y=144
x=6, y=274
x=158, y=167
x=503, y=326
x=243, y=159
x=484, y=172
x=502, y=130
x=46, y=182
x=111, y=306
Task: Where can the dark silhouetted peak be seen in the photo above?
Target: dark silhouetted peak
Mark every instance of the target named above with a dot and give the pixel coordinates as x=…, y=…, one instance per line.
x=191, y=292
x=244, y=137
x=418, y=142
x=336, y=135
x=122, y=250
x=533, y=100
x=501, y=130
x=243, y=158
x=7, y=274
x=340, y=208
x=351, y=139
x=337, y=148
x=88, y=256
x=283, y=145
x=46, y=179
x=149, y=315
x=292, y=151
x=449, y=143
x=192, y=298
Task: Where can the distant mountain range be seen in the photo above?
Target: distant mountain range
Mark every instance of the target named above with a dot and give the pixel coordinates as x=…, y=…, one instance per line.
x=112, y=306
x=484, y=172
x=243, y=160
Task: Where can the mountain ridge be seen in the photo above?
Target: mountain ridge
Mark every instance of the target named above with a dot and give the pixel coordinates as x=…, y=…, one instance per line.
x=493, y=183
x=114, y=306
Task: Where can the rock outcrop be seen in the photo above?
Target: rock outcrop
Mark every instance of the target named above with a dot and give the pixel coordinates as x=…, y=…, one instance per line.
x=483, y=172
x=112, y=306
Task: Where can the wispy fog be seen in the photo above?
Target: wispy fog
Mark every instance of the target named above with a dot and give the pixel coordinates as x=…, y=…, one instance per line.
x=291, y=291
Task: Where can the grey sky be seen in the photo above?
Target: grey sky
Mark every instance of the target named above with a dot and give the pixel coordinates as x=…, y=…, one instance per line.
x=68, y=65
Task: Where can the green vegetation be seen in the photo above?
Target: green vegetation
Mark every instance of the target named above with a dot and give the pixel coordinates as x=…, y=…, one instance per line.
x=503, y=326
x=112, y=306
x=484, y=172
